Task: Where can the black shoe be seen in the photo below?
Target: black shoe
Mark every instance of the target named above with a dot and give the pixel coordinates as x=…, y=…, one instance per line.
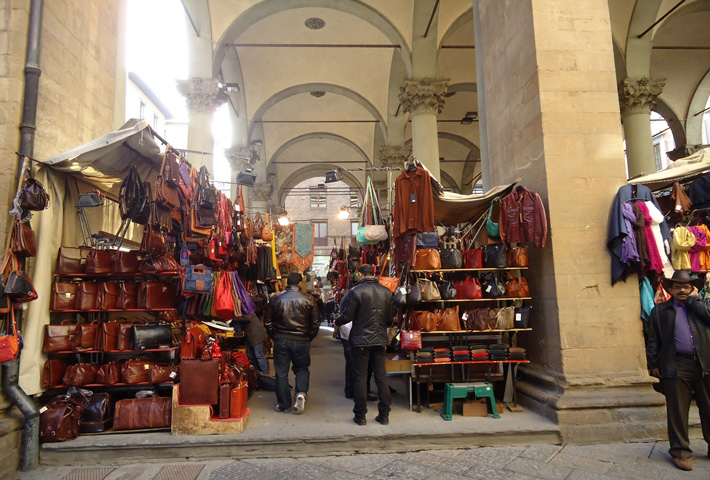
x=382, y=419
x=360, y=419
x=349, y=396
x=371, y=397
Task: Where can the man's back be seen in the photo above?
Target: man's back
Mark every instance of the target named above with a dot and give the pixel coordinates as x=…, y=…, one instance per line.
x=292, y=313
x=369, y=306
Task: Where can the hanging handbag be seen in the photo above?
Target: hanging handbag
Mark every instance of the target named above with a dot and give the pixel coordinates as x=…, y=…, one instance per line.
x=154, y=241
x=411, y=339
x=206, y=193
x=266, y=233
x=428, y=289
x=165, y=193
x=492, y=286
x=494, y=256
x=473, y=258
x=132, y=197
x=389, y=282
x=171, y=167
x=518, y=256
x=22, y=240
x=19, y=287
x=198, y=279
x=99, y=261
x=517, y=287
x=414, y=294
x=376, y=232
x=64, y=295
x=427, y=259
x=522, y=317
x=447, y=290
x=33, y=196
x=428, y=240
x=451, y=258
x=492, y=228
x=469, y=289
x=447, y=320
x=125, y=262
x=10, y=342
x=224, y=301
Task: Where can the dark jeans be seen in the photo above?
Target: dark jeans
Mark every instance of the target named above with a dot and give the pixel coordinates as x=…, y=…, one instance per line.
x=679, y=393
x=298, y=354
x=349, y=381
x=256, y=356
x=361, y=356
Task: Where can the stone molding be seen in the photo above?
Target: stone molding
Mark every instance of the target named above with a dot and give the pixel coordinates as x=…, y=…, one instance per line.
x=393, y=156
x=203, y=95
x=423, y=95
x=261, y=192
x=638, y=95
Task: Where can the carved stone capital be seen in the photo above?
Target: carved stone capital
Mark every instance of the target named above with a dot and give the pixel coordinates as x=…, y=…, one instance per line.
x=638, y=95
x=261, y=192
x=393, y=156
x=203, y=95
x=423, y=95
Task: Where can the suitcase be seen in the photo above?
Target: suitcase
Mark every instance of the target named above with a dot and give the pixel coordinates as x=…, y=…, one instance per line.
x=199, y=382
x=238, y=400
x=224, y=394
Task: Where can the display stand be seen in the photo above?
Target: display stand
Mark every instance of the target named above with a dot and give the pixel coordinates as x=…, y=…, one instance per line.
x=200, y=420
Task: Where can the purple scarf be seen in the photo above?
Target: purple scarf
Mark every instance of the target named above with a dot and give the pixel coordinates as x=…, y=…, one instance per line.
x=629, y=252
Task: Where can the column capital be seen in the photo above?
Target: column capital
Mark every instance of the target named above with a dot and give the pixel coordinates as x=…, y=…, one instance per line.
x=393, y=156
x=638, y=95
x=423, y=95
x=261, y=192
x=203, y=95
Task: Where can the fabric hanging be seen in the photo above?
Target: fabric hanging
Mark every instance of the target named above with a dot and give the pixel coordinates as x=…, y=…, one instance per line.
x=699, y=252
x=629, y=251
x=522, y=218
x=683, y=240
x=656, y=263
x=640, y=237
x=656, y=218
x=303, y=239
x=681, y=202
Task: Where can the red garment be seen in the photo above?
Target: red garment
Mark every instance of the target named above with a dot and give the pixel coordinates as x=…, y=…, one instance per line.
x=656, y=262
x=522, y=218
x=413, y=216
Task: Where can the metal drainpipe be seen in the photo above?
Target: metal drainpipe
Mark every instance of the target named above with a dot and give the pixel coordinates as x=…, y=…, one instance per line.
x=11, y=370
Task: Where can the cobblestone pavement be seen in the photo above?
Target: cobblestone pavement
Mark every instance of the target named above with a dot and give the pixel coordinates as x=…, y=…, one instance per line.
x=643, y=461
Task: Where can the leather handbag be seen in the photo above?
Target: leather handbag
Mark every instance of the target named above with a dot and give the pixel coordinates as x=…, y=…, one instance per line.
x=478, y=320
x=198, y=279
x=427, y=259
x=411, y=340
x=107, y=296
x=238, y=400
x=107, y=336
x=142, y=413
x=414, y=295
x=22, y=240
x=132, y=197
x=58, y=338
x=492, y=228
x=447, y=290
x=157, y=296
x=423, y=320
x=389, y=282
x=124, y=333
x=428, y=240
x=72, y=260
x=451, y=258
x=149, y=337
x=125, y=262
x=19, y=287
x=154, y=241
x=495, y=256
x=193, y=342
x=429, y=290
x=59, y=422
x=85, y=337
x=33, y=196
x=109, y=373
x=86, y=296
x=53, y=372
x=518, y=256
x=136, y=370
x=165, y=194
x=127, y=296
x=491, y=285
x=64, y=295
x=98, y=261
x=80, y=375
x=447, y=320
x=159, y=264
x=162, y=373
x=522, y=317
x=171, y=167
x=161, y=217
x=473, y=258
x=517, y=287
x=501, y=318
x=98, y=412
x=199, y=382
x=469, y=289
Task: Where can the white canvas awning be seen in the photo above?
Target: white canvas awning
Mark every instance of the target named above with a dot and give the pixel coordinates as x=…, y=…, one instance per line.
x=682, y=170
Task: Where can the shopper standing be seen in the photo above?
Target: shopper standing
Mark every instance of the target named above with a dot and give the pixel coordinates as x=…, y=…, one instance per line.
x=678, y=352
x=368, y=305
x=255, y=334
x=292, y=320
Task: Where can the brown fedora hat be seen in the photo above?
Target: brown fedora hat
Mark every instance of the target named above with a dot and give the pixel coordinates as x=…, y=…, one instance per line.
x=682, y=276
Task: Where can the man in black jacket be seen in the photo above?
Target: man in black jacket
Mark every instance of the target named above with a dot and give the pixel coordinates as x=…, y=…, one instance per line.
x=292, y=320
x=678, y=352
x=369, y=306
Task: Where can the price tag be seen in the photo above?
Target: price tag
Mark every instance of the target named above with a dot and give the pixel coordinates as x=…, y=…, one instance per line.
x=173, y=375
x=43, y=409
x=412, y=197
x=518, y=316
x=488, y=289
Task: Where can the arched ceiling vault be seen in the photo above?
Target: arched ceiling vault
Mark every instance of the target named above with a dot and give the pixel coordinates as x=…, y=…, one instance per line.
x=311, y=171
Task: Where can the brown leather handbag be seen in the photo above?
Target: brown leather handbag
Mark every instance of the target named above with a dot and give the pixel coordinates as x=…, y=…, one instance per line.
x=517, y=287
x=80, y=375
x=159, y=264
x=127, y=296
x=107, y=296
x=157, y=296
x=427, y=259
x=58, y=338
x=154, y=241
x=518, y=256
x=501, y=318
x=478, y=319
x=33, y=196
x=193, y=342
x=136, y=370
x=53, y=372
x=161, y=217
x=86, y=297
x=107, y=336
x=162, y=373
x=109, y=373
x=98, y=261
x=424, y=320
x=59, y=422
x=166, y=195
x=64, y=295
x=22, y=240
x=85, y=337
x=140, y=413
x=448, y=319
x=72, y=260
x=125, y=262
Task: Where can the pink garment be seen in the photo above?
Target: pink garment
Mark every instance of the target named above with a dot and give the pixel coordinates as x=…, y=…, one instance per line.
x=701, y=241
x=656, y=262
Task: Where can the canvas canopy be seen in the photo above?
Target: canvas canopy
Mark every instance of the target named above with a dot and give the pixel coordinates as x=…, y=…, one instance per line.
x=453, y=208
x=682, y=170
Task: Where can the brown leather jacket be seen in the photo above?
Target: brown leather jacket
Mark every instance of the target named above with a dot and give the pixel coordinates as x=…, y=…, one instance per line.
x=413, y=216
x=523, y=218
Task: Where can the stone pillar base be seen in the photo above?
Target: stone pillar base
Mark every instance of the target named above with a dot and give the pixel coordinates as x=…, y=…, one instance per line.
x=589, y=413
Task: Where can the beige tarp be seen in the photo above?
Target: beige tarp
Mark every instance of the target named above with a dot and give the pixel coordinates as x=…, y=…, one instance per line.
x=454, y=208
x=100, y=164
x=682, y=170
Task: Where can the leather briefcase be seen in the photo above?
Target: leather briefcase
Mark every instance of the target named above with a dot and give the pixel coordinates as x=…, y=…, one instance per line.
x=125, y=262
x=107, y=336
x=80, y=375
x=192, y=344
x=148, y=337
x=53, y=373
x=58, y=338
x=85, y=337
x=224, y=394
x=64, y=295
x=199, y=382
x=98, y=261
x=163, y=373
x=98, y=412
x=107, y=296
x=136, y=370
x=109, y=373
x=72, y=260
x=139, y=413
x=124, y=333
x=238, y=400
x=127, y=296
x=86, y=297
x=157, y=296
x=22, y=240
x=59, y=422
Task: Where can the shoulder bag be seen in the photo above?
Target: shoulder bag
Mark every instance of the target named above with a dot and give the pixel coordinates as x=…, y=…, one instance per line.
x=428, y=289
x=447, y=290
x=427, y=259
x=517, y=287
x=33, y=196
x=469, y=288
x=166, y=193
x=494, y=256
x=492, y=228
x=10, y=343
x=478, y=319
x=22, y=240
x=377, y=232
x=473, y=258
x=518, y=256
x=423, y=320
x=491, y=285
x=522, y=317
x=447, y=320
x=132, y=197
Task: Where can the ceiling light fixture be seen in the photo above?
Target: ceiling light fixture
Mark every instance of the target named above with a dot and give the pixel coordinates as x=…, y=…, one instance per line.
x=333, y=175
x=314, y=23
x=229, y=87
x=257, y=142
x=344, y=213
x=318, y=93
x=469, y=118
x=246, y=178
x=283, y=219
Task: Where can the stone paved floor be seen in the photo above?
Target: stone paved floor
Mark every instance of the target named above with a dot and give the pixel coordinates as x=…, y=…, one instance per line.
x=643, y=461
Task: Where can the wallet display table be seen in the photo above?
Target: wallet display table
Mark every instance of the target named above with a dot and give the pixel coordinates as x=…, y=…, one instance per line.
x=200, y=419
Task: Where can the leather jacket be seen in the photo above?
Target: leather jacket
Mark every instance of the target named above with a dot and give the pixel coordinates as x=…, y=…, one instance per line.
x=369, y=306
x=523, y=218
x=292, y=314
x=660, y=348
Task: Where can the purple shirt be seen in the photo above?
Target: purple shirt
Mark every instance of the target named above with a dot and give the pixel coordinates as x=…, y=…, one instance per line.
x=684, y=342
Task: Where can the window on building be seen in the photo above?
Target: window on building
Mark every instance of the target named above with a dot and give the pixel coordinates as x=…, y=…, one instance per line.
x=141, y=110
x=657, y=154
x=155, y=122
x=318, y=197
x=354, y=200
x=320, y=233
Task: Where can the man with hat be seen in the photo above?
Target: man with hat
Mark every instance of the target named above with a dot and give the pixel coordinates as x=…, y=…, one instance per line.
x=678, y=352
x=291, y=319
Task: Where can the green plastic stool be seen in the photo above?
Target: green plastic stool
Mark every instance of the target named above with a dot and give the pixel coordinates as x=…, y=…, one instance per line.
x=461, y=390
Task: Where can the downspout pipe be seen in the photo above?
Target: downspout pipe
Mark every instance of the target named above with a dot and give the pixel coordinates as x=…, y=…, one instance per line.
x=29, y=456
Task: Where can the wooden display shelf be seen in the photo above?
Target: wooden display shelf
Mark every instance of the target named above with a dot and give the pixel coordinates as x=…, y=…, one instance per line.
x=117, y=310
x=141, y=384
x=114, y=275
x=468, y=332
x=446, y=270
x=476, y=299
x=468, y=362
x=171, y=349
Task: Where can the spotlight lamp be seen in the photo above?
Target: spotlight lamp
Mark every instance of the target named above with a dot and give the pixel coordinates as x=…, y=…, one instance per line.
x=283, y=219
x=333, y=175
x=344, y=213
x=469, y=118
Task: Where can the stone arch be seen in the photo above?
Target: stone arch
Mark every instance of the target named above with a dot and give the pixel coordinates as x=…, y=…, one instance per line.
x=269, y=7
x=448, y=181
x=619, y=61
x=673, y=121
x=463, y=19
x=693, y=122
x=311, y=171
x=319, y=135
x=309, y=87
x=638, y=50
x=474, y=155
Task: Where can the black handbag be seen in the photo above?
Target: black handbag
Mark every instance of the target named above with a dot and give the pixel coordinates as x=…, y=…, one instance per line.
x=428, y=240
x=33, y=196
x=447, y=290
x=19, y=287
x=522, y=317
x=414, y=294
x=145, y=337
x=491, y=285
x=495, y=256
x=451, y=258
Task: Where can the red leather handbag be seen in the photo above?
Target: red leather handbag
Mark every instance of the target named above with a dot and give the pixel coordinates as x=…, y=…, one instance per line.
x=58, y=338
x=53, y=372
x=64, y=295
x=86, y=297
x=154, y=241
x=473, y=258
x=80, y=375
x=470, y=288
x=107, y=336
x=136, y=370
x=22, y=241
x=109, y=373
x=85, y=336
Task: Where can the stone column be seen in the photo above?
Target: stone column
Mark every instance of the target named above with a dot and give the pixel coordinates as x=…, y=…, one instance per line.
x=637, y=97
x=423, y=99
x=393, y=156
x=259, y=195
x=203, y=97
